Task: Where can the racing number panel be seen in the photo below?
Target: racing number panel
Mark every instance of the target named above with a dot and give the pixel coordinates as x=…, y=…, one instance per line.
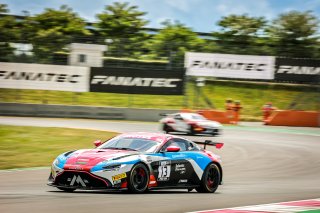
x=177, y=170
x=174, y=172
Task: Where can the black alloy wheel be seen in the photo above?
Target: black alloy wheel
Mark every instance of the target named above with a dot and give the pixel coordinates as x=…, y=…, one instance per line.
x=138, y=179
x=210, y=179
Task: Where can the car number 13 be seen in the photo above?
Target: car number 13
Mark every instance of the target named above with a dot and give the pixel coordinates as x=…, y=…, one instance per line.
x=164, y=171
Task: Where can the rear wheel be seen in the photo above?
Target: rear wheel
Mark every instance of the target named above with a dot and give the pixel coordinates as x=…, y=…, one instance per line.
x=66, y=189
x=138, y=179
x=210, y=179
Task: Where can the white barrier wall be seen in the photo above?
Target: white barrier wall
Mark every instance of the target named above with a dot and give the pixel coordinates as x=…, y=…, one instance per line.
x=230, y=66
x=44, y=77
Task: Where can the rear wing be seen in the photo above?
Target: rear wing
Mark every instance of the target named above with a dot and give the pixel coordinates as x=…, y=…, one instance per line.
x=210, y=143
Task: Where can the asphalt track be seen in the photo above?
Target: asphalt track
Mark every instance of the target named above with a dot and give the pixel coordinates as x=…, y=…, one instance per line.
x=261, y=165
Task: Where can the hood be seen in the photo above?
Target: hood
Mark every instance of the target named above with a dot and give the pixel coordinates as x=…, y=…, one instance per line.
x=86, y=159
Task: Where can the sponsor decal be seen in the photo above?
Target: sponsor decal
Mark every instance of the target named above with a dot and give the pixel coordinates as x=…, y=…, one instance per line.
x=180, y=168
x=75, y=167
x=149, y=159
x=230, y=66
x=38, y=76
x=136, y=81
x=44, y=77
x=297, y=70
x=81, y=162
x=119, y=177
x=183, y=181
x=78, y=180
x=164, y=170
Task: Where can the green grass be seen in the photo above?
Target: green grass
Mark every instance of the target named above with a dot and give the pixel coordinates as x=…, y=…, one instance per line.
x=252, y=97
x=22, y=147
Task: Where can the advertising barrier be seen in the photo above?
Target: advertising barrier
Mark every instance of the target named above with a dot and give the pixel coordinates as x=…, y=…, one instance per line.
x=229, y=66
x=136, y=81
x=44, y=77
x=297, y=70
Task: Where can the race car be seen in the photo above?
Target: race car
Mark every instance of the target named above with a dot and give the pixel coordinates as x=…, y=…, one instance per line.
x=138, y=162
x=190, y=123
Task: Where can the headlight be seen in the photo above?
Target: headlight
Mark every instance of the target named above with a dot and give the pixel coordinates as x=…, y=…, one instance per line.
x=114, y=167
x=56, y=162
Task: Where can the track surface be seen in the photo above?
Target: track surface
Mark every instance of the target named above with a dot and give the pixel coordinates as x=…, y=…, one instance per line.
x=261, y=165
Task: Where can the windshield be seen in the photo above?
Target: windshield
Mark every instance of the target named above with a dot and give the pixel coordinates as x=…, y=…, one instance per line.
x=134, y=144
x=193, y=116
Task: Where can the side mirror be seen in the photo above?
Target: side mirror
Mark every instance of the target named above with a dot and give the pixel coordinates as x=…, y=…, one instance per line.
x=97, y=143
x=173, y=149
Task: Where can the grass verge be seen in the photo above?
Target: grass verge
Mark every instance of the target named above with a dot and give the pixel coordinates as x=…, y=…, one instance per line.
x=252, y=97
x=23, y=147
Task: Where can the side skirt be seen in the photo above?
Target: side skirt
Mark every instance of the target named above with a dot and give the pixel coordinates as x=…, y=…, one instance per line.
x=175, y=187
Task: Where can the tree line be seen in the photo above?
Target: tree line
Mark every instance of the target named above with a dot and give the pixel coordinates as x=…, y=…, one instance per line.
x=122, y=27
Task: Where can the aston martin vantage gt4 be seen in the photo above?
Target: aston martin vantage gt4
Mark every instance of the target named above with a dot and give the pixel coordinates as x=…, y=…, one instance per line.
x=139, y=162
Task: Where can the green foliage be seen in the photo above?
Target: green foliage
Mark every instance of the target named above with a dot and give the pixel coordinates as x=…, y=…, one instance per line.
x=52, y=30
x=173, y=41
x=9, y=32
x=241, y=34
x=121, y=24
x=121, y=27
x=296, y=34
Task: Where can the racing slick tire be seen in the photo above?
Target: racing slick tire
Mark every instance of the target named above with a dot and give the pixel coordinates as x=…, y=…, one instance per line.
x=138, y=179
x=66, y=189
x=210, y=179
x=191, y=130
x=166, y=128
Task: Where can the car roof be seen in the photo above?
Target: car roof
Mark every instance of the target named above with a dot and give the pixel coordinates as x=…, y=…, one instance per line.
x=158, y=137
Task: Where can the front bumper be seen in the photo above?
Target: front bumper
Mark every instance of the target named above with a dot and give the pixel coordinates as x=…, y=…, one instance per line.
x=79, y=180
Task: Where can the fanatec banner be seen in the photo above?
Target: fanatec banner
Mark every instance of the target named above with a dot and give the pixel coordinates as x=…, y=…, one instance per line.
x=230, y=66
x=136, y=81
x=44, y=77
x=297, y=70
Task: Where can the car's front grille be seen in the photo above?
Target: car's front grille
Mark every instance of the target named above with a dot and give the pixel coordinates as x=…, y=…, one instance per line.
x=80, y=179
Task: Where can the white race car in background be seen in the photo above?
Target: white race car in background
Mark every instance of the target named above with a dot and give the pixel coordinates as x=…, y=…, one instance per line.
x=191, y=123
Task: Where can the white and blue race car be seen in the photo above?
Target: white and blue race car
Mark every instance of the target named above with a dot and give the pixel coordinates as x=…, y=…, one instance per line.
x=139, y=162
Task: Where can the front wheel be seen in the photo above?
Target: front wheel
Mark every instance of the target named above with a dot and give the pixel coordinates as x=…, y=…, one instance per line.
x=138, y=179
x=191, y=130
x=210, y=179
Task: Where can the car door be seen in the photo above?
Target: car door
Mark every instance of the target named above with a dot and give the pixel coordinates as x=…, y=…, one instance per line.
x=180, y=123
x=175, y=169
